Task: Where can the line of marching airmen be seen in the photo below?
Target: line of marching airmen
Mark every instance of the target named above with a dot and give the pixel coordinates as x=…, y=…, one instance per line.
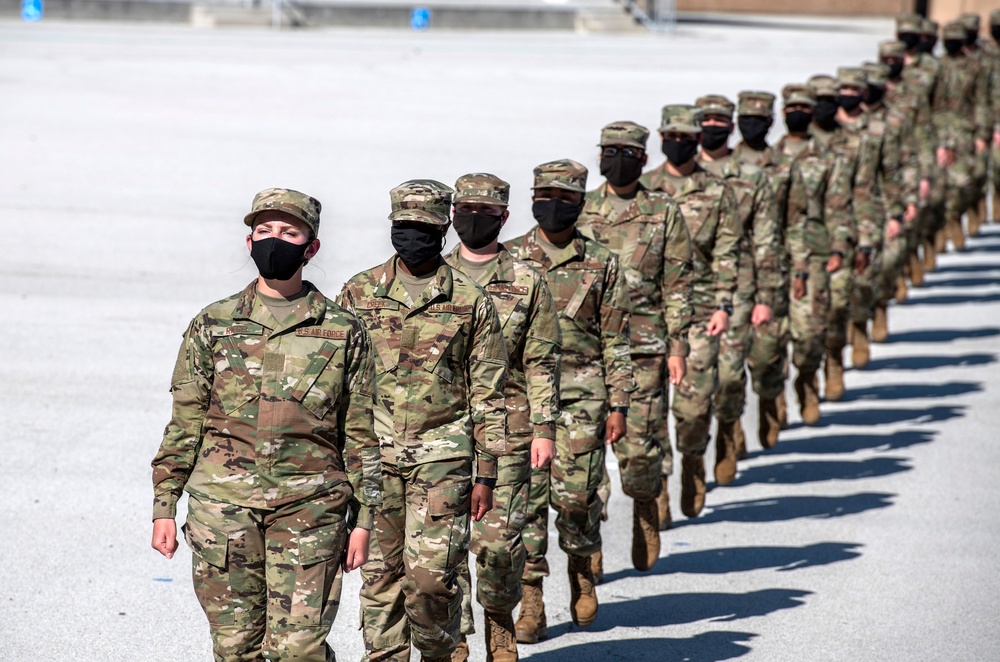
x=444, y=403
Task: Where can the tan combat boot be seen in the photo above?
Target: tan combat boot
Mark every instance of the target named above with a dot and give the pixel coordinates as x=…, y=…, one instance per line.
x=500, y=644
x=768, y=424
x=975, y=220
x=663, y=506
x=807, y=390
x=597, y=566
x=645, y=534
x=692, y=485
x=916, y=270
x=902, y=291
x=834, y=375
x=461, y=652
x=860, y=351
x=741, y=443
x=996, y=205
x=955, y=233
x=582, y=594
x=782, y=405
x=930, y=256
x=880, y=325
x=940, y=241
x=725, y=452
x=531, y=626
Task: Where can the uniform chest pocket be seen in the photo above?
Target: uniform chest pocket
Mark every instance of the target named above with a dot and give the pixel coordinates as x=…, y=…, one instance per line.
x=648, y=249
x=581, y=305
x=237, y=368
x=318, y=388
x=436, y=339
x=698, y=214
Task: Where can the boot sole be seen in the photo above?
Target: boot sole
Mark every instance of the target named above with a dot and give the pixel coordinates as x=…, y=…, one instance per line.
x=541, y=635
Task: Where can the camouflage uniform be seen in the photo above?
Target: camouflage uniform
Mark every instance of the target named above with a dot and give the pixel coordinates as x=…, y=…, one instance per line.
x=982, y=63
x=760, y=275
x=991, y=49
x=441, y=367
x=651, y=241
x=710, y=210
x=591, y=297
x=531, y=330
x=271, y=436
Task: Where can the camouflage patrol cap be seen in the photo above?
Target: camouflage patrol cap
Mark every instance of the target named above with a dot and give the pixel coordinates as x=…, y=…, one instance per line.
x=995, y=17
x=823, y=85
x=929, y=28
x=564, y=173
x=482, y=188
x=716, y=104
x=908, y=23
x=970, y=22
x=877, y=73
x=953, y=30
x=624, y=133
x=795, y=94
x=683, y=118
x=421, y=201
x=294, y=203
x=852, y=77
x=891, y=48
x=760, y=104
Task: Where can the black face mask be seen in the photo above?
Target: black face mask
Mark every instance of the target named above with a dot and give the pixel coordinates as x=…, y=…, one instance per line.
x=797, y=121
x=953, y=46
x=754, y=130
x=416, y=244
x=679, y=152
x=714, y=137
x=621, y=170
x=277, y=259
x=970, y=38
x=477, y=230
x=995, y=31
x=555, y=215
x=824, y=114
x=910, y=39
x=849, y=101
x=895, y=70
x=927, y=46
x=875, y=94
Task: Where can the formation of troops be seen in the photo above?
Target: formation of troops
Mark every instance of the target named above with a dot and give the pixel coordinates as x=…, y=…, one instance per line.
x=444, y=404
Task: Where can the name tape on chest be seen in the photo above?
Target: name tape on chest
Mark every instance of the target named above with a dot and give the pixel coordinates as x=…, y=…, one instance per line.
x=507, y=289
x=237, y=330
x=449, y=308
x=316, y=332
x=377, y=304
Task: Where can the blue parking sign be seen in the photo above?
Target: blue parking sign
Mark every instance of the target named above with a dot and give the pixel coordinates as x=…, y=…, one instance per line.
x=420, y=18
x=31, y=10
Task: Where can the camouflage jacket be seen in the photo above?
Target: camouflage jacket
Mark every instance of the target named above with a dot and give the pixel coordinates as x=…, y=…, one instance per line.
x=593, y=306
x=991, y=56
x=861, y=153
x=920, y=140
x=531, y=331
x=760, y=271
x=267, y=413
x=654, y=251
x=961, y=101
x=441, y=367
x=710, y=210
x=900, y=171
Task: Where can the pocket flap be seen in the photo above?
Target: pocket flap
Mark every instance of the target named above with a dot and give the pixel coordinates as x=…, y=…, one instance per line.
x=576, y=301
x=449, y=499
x=205, y=542
x=321, y=544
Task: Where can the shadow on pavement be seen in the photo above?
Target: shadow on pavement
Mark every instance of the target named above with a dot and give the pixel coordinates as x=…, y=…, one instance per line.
x=746, y=559
x=871, y=417
x=799, y=473
x=849, y=443
x=783, y=509
x=702, y=647
x=911, y=391
x=963, y=282
x=941, y=335
x=928, y=362
x=962, y=269
x=951, y=299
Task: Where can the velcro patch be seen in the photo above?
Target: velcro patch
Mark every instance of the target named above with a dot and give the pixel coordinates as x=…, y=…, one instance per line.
x=449, y=308
x=317, y=332
x=508, y=289
x=376, y=304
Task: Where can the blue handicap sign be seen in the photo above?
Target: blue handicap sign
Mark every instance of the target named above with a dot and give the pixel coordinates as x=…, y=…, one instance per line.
x=31, y=10
x=420, y=18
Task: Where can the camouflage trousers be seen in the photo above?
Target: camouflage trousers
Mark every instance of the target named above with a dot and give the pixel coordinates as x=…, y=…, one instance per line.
x=410, y=584
x=497, y=543
x=692, y=404
x=841, y=288
x=995, y=170
x=804, y=327
x=570, y=485
x=980, y=176
x=269, y=580
x=862, y=301
x=959, y=178
x=893, y=257
x=734, y=347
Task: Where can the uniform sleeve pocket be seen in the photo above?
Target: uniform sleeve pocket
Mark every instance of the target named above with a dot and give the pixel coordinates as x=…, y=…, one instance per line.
x=321, y=544
x=451, y=499
x=318, y=387
x=206, y=543
x=575, y=303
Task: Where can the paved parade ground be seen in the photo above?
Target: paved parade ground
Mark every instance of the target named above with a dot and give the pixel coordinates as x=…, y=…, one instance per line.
x=131, y=154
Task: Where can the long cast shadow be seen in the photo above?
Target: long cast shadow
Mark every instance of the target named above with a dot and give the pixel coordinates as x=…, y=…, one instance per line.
x=800, y=473
x=666, y=609
x=929, y=362
x=941, y=335
x=848, y=443
x=746, y=559
x=783, y=509
x=951, y=299
x=965, y=269
x=703, y=647
x=881, y=392
x=962, y=282
x=872, y=417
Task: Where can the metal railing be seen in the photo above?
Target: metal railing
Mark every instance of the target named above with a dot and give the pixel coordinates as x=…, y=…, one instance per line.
x=655, y=15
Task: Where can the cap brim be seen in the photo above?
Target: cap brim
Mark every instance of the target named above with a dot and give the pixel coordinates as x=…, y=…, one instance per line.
x=681, y=128
x=800, y=101
x=419, y=216
x=565, y=187
x=249, y=218
x=479, y=200
x=716, y=110
x=622, y=143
